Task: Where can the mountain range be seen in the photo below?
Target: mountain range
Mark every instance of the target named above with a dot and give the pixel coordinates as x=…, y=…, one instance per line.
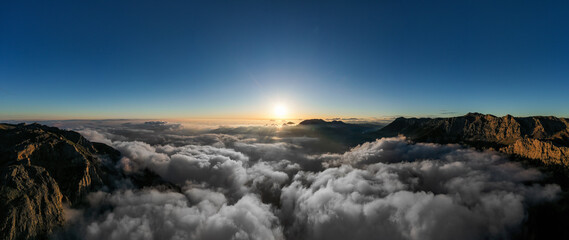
x=540, y=138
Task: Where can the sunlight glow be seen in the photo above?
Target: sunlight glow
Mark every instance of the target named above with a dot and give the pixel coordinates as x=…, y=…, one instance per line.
x=279, y=110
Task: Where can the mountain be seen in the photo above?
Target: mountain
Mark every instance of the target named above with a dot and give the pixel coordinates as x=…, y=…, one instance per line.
x=41, y=169
x=334, y=135
x=317, y=122
x=543, y=138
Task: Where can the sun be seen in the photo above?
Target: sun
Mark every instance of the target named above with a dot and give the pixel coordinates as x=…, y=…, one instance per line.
x=279, y=110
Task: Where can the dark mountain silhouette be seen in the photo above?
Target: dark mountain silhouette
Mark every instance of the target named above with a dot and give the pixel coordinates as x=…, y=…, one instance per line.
x=316, y=122
x=334, y=136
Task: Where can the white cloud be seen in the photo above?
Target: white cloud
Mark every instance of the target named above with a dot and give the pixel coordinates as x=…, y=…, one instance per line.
x=247, y=183
x=454, y=194
x=197, y=214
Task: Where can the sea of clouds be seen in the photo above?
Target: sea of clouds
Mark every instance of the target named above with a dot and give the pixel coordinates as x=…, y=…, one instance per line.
x=266, y=182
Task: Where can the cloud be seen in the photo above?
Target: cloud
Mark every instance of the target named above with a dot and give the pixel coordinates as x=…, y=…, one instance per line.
x=412, y=191
x=217, y=167
x=95, y=136
x=258, y=183
x=387, y=150
x=226, y=169
x=194, y=214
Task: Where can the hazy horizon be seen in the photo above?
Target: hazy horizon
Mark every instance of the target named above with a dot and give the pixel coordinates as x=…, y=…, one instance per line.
x=221, y=120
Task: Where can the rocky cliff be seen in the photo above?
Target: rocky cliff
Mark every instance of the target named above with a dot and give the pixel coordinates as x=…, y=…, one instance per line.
x=41, y=168
x=30, y=203
x=542, y=138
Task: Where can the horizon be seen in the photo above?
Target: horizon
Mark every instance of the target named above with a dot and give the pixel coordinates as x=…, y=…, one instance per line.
x=262, y=60
x=213, y=123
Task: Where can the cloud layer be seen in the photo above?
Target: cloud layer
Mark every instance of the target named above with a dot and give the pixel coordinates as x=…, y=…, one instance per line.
x=193, y=214
x=257, y=183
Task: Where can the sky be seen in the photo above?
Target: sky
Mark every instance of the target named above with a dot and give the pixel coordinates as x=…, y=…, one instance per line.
x=242, y=59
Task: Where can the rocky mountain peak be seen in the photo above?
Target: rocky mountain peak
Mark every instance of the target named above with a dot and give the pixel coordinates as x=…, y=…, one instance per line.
x=41, y=168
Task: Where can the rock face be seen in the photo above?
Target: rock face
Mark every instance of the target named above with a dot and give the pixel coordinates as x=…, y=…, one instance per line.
x=30, y=203
x=41, y=169
x=541, y=138
x=544, y=151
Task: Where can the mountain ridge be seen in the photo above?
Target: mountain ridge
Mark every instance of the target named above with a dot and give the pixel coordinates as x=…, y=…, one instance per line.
x=543, y=138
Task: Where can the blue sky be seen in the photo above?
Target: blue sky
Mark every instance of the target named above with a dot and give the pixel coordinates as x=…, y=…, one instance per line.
x=235, y=59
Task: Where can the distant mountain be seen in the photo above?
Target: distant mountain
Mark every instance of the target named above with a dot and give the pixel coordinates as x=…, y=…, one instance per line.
x=41, y=168
x=541, y=138
x=335, y=135
x=312, y=122
x=321, y=122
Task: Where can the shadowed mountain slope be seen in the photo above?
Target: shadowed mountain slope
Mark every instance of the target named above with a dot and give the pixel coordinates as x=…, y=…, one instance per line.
x=338, y=135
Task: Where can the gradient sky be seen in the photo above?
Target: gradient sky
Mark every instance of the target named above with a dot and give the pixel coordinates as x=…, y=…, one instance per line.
x=182, y=59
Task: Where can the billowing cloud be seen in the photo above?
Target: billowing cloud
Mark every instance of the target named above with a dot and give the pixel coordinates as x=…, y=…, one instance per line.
x=412, y=191
x=95, y=136
x=257, y=183
x=217, y=167
x=194, y=214
x=388, y=150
